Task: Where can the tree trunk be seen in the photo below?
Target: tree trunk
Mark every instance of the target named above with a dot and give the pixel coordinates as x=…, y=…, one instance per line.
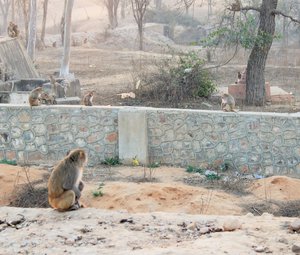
x=64, y=70
x=62, y=23
x=13, y=11
x=26, y=21
x=140, y=29
x=32, y=30
x=4, y=7
x=45, y=9
x=255, y=77
x=158, y=4
x=123, y=6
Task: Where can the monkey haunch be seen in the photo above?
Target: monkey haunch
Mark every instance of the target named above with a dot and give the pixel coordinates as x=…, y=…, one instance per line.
x=34, y=96
x=65, y=184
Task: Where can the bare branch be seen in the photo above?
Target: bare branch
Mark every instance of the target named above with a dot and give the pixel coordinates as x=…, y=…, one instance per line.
x=276, y=12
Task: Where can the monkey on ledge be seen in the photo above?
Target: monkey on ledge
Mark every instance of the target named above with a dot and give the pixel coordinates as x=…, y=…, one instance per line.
x=65, y=184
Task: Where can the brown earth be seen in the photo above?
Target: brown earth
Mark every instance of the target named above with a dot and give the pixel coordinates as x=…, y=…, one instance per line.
x=136, y=217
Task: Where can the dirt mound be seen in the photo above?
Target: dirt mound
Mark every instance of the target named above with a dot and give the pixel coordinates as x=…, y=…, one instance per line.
x=166, y=197
x=276, y=188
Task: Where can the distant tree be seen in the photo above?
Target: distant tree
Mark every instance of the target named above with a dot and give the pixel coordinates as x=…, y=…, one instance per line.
x=45, y=10
x=187, y=4
x=112, y=9
x=123, y=7
x=62, y=23
x=32, y=30
x=158, y=4
x=13, y=10
x=139, y=8
x=4, y=7
x=64, y=69
x=25, y=6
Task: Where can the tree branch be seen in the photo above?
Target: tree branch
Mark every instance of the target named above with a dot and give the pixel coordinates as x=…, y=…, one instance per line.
x=276, y=12
x=250, y=8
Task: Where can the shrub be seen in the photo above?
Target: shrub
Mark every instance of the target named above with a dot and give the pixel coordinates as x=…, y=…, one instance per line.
x=177, y=78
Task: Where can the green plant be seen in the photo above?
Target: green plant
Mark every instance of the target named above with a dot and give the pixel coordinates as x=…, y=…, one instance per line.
x=177, y=78
x=112, y=161
x=8, y=162
x=192, y=169
x=99, y=192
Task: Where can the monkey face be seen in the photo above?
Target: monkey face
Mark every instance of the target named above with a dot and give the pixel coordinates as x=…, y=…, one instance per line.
x=78, y=156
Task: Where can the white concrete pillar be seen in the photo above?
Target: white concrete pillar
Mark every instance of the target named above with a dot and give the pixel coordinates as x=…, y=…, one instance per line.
x=133, y=137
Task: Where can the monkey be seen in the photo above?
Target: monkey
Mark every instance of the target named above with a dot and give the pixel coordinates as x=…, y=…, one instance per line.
x=228, y=103
x=239, y=77
x=54, y=85
x=235, y=7
x=13, y=30
x=88, y=98
x=34, y=96
x=65, y=184
x=54, y=44
x=46, y=98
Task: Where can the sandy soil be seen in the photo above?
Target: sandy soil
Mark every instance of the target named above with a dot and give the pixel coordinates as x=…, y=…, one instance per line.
x=134, y=217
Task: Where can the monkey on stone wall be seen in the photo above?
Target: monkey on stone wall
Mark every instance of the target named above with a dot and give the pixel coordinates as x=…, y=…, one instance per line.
x=88, y=98
x=228, y=103
x=34, y=96
x=65, y=184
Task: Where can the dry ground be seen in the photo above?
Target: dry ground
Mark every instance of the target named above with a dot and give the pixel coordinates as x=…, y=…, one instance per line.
x=136, y=217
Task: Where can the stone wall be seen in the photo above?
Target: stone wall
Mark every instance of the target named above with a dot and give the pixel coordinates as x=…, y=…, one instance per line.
x=255, y=142
x=45, y=134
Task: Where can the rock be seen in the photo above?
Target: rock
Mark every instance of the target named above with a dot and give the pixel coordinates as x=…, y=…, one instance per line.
x=249, y=215
x=204, y=230
x=206, y=105
x=295, y=225
x=232, y=224
x=260, y=249
x=192, y=226
x=296, y=248
x=267, y=215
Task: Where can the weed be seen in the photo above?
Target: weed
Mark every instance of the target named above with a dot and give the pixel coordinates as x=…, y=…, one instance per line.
x=192, y=169
x=111, y=161
x=99, y=192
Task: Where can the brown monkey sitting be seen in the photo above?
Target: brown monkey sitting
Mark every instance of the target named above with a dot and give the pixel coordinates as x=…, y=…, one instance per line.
x=88, y=99
x=228, y=103
x=34, y=96
x=65, y=184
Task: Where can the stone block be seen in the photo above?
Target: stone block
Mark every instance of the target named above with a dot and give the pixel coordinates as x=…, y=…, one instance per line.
x=238, y=91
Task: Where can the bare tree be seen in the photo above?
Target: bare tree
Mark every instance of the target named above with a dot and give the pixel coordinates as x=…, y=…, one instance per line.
x=139, y=8
x=4, y=7
x=62, y=23
x=112, y=9
x=32, y=30
x=25, y=9
x=45, y=10
x=187, y=4
x=123, y=7
x=64, y=69
x=158, y=4
x=13, y=10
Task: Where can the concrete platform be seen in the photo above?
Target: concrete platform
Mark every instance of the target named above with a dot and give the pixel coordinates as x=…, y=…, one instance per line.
x=278, y=95
x=68, y=100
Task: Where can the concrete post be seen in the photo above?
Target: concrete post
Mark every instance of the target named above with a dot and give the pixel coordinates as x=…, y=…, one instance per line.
x=133, y=137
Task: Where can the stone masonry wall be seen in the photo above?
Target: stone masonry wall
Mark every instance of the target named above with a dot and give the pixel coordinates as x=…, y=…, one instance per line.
x=45, y=134
x=255, y=142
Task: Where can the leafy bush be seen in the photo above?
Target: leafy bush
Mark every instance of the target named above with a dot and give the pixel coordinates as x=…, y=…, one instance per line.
x=177, y=78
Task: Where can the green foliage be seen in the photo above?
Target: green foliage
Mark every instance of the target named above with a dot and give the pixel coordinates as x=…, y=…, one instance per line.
x=244, y=32
x=177, y=78
x=170, y=17
x=192, y=169
x=212, y=177
x=8, y=162
x=112, y=161
x=99, y=192
x=154, y=165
